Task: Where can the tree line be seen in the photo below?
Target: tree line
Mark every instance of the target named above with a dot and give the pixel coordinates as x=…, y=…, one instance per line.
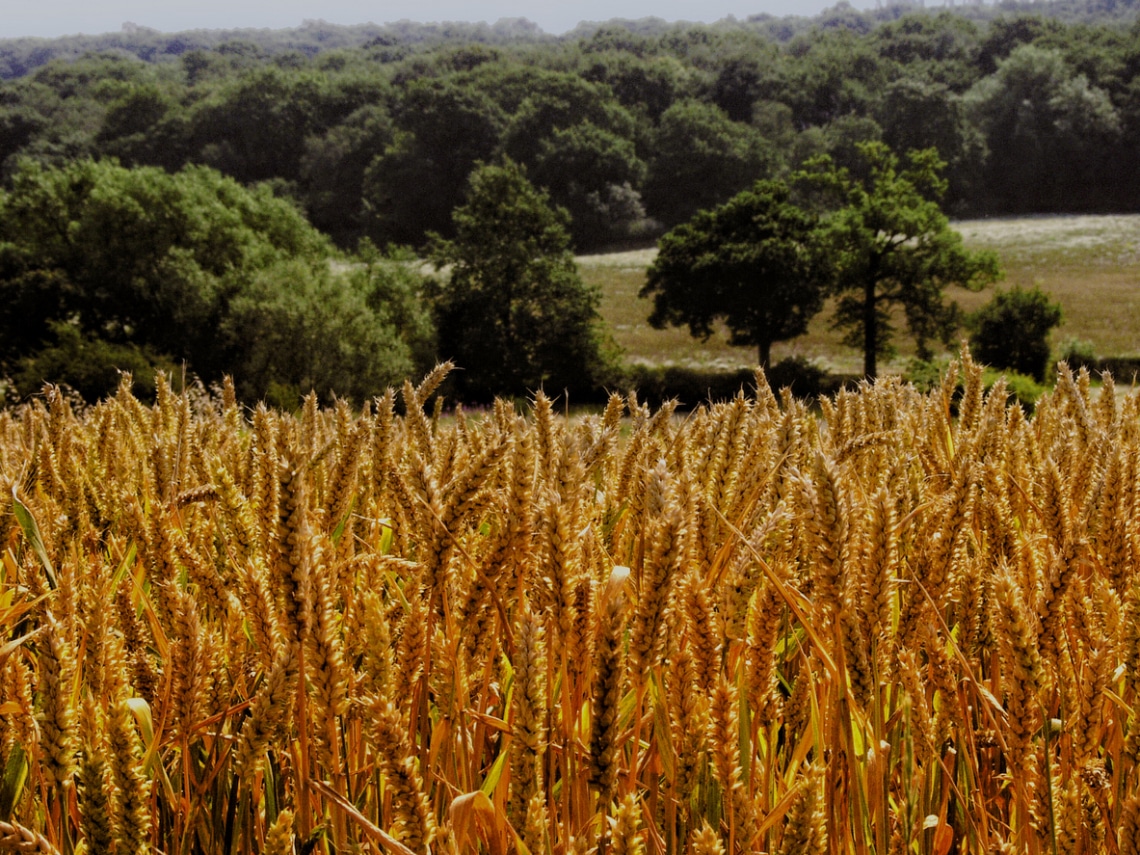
x=632, y=127
x=222, y=214
x=105, y=269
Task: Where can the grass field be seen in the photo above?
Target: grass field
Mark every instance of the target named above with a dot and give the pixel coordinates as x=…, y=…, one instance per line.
x=1090, y=264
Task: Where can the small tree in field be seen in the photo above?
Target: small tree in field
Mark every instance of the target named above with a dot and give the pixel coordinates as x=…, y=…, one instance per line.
x=1012, y=331
x=889, y=245
x=515, y=314
x=749, y=262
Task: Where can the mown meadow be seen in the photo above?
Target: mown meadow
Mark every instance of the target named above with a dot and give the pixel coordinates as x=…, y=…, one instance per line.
x=1089, y=264
x=903, y=623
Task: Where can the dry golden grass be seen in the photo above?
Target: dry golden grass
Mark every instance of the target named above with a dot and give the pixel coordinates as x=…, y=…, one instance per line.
x=909, y=624
x=1089, y=264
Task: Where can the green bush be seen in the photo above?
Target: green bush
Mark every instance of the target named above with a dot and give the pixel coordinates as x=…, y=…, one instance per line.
x=1012, y=331
x=1078, y=353
x=300, y=327
x=1022, y=388
x=656, y=384
x=925, y=374
x=90, y=366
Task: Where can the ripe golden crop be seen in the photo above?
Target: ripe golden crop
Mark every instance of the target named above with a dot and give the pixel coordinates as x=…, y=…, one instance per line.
x=907, y=623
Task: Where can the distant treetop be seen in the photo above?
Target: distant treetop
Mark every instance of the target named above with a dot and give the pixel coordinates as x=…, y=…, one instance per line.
x=20, y=56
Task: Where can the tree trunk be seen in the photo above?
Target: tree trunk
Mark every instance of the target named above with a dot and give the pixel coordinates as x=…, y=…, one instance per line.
x=870, y=329
x=871, y=317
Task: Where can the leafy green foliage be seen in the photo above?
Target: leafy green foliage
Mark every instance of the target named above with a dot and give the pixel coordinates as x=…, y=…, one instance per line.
x=443, y=130
x=645, y=85
x=556, y=102
x=105, y=268
x=145, y=127
x=592, y=173
x=917, y=114
x=515, y=315
x=333, y=168
x=135, y=256
x=940, y=49
x=838, y=74
x=700, y=159
x=1078, y=353
x=1022, y=388
x=393, y=287
x=1030, y=114
x=750, y=263
x=254, y=128
x=1049, y=131
x=88, y=365
x=889, y=245
x=1012, y=331
x=299, y=327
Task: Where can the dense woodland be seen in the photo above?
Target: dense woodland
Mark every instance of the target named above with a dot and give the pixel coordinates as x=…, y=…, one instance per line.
x=628, y=125
x=632, y=127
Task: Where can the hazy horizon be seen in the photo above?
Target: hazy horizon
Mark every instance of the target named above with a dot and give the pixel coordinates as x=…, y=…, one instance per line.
x=54, y=18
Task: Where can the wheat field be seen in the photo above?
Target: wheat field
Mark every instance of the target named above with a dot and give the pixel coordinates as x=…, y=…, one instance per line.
x=903, y=623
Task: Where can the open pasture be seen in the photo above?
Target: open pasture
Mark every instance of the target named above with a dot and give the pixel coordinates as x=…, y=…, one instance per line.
x=1090, y=264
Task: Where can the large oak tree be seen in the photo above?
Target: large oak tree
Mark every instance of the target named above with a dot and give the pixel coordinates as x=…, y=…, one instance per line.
x=889, y=246
x=750, y=263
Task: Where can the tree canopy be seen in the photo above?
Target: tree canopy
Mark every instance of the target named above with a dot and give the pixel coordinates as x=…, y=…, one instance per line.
x=701, y=158
x=625, y=124
x=99, y=259
x=514, y=313
x=136, y=254
x=1051, y=133
x=750, y=263
x=889, y=245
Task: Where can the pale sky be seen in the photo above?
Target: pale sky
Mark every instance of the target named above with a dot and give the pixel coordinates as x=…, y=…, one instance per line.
x=49, y=18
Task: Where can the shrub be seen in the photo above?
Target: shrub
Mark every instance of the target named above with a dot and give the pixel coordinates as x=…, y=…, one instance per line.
x=1078, y=353
x=90, y=366
x=1023, y=389
x=1012, y=331
x=925, y=374
x=301, y=327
